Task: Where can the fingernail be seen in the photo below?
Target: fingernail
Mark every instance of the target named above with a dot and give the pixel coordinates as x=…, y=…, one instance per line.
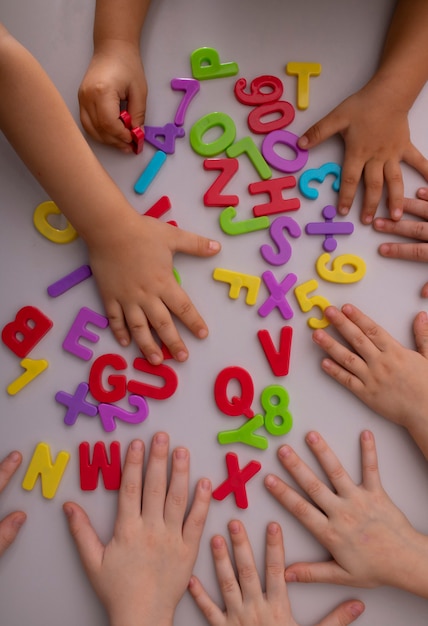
x=155, y=359
x=303, y=142
x=124, y=342
x=205, y=484
x=161, y=439
x=284, y=451
x=343, y=210
x=312, y=437
x=181, y=356
x=367, y=219
x=270, y=480
x=203, y=333
x=137, y=444
x=181, y=453
x=290, y=577
x=14, y=456
x=234, y=528
x=19, y=520
x=68, y=510
x=273, y=528
x=214, y=246
x=356, y=609
x=396, y=214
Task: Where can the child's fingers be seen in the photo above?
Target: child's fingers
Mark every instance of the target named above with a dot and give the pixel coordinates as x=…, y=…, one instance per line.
x=411, y=229
x=373, y=186
x=177, y=301
x=361, y=332
x=276, y=590
x=195, y=521
x=328, y=572
x=117, y=323
x=9, y=528
x=131, y=486
x=344, y=614
x=331, y=465
x=420, y=329
x=213, y=614
x=8, y=467
x=369, y=462
x=88, y=544
x=141, y=317
x=229, y=586
x=196, y=245
x=244, y=560
x=405, y=251
x=395, y=186
x=176, y=499
x=155, y=482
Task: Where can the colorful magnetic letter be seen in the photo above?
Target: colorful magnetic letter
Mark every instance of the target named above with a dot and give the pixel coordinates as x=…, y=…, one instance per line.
x=50, y=473
x=149, y=173
x=89, y=472
x=213, y=195
x=247, y=146
x=117, y=382
x=151, y=391
x=76, y=404
x=231, y=227
x=205, y=64
x=282, y=107
x=237, y=405
x=277, y=161
x=277, y=234
x=303, y=71
x=319, y=175
x=307, y=303
x=337, y=273
x=278, y=419
x=235, y=483
x=32, y=369
x=274, y=188
x=78, y=329
x=279, y=360
x=109, y=413
x=191, y=87
x=277, y=295
x=137, y=133
x=70, y=280
x=245, y=434
x=237, y=280
x=163, y=137
x=329, y=228
x=27, y=329
x=160, y=207
x=257, y=95
x=206, y=123
x=41, y=222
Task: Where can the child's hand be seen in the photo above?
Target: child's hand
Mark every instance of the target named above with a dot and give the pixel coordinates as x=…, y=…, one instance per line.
x=412, y=229
x=358, y=524
x=245, y=602
x=115, y=74
x=386, y=376
x=142, y=573
x=10, y=525
x=133, y=267
x=377, y=139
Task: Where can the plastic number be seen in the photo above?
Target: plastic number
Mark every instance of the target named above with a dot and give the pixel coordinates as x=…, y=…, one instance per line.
x=306, y=304
x=337, y=274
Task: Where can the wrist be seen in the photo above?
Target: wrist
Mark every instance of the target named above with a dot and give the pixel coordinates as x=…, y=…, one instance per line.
x=411, y=571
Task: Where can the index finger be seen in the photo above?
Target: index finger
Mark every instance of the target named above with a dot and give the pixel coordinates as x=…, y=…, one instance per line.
x=8, y=467
x=129, y=501
x=360, y=331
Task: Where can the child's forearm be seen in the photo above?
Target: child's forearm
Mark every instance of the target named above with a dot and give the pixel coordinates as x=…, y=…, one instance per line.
x=404, y=61
x=36, y=121
x=119, y=20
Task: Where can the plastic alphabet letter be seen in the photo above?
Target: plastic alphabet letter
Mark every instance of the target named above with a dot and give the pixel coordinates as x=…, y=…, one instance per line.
x=278, y=162
x=274, y=188
x=50, y=473
x=109, y=413
x=78, y=329
x=277, y=295
x=206, y=123
x=70, y=280
x=27, y=329
x=329, y=228
x=237, y=280
x=191, y=87
x=279, y=360
x=151, y=391
x=286, y=116
x=149, y=173
x=237, y=405
x=89, y=472
x=231, y=227
x=76, y=404
x=247, y=146
x=213, y=195
x=235, y=483
x=245, y=434
x=32, y=369
x=275, y=410
x=163, y=137
x=337, y=273
x=205, y=64
x=117, y=382
x=41, y=222
x=277, y=234
x=307, y=303
x=303, y=71
x=319, y=175
x=257, y=95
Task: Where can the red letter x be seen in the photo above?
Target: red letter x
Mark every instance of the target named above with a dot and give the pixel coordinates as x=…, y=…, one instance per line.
x=236, y=480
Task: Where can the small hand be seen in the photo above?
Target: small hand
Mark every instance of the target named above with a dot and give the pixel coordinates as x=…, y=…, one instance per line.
x=10, y=525
x=377, y=139
x=245, y=602
x=386, y=376
x=412, y=229
x=134, y=272
x=144, y=570
x=358, y=524
x=115, y=74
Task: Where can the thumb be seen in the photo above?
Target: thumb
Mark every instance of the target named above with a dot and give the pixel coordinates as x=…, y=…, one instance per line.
x=137, y=98
x=420, y=329
x=196, y=245
x=323, y=129
x=344, y=614
x=88, y=544
x=9, y=528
